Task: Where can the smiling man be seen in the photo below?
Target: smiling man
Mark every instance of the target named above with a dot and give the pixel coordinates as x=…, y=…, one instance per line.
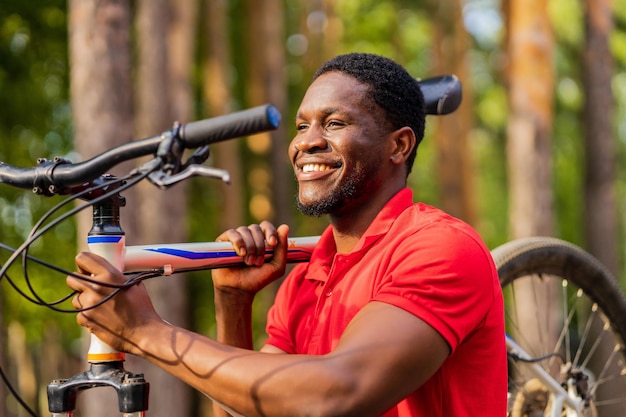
x=399, y=311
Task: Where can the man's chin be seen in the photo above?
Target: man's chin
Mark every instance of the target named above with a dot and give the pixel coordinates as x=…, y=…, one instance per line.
x=311, y=211
x=316, y=208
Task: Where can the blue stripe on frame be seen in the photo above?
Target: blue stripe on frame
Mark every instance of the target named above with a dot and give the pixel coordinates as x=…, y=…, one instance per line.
x=194, y=255
x=104, y=239
x=203, y=255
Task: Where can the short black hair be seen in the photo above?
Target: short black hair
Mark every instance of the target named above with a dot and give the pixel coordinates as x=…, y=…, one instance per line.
x=390, y=86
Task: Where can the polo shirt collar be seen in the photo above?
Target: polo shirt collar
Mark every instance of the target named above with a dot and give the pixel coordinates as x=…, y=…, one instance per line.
x=325, y=250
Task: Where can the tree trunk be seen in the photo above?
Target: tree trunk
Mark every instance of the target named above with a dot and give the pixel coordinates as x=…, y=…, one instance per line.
x=454, y=161
x=601, y=228
x=265, y=83
x=99, y=42
x=165, y=49
x=218, y=96
x=600, y=165
x=530, y=49
x=276, y=88
x=23, y=362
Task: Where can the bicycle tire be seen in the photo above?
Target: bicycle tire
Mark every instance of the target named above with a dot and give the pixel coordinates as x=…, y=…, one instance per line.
x=561, y=303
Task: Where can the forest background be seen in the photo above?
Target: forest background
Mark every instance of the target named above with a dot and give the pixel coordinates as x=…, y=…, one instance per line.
x=535, y=148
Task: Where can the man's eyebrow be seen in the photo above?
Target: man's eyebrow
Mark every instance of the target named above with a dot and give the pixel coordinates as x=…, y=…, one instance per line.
x=327, y=111
x=331, y=110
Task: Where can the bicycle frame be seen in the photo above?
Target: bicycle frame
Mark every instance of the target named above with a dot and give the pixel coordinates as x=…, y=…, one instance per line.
x=173, y=258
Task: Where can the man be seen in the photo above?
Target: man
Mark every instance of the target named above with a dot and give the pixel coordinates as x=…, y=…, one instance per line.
x=398, y=313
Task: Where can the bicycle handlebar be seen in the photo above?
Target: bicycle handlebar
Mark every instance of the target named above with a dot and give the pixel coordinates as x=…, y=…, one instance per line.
x=61, y=173
x=442, y=95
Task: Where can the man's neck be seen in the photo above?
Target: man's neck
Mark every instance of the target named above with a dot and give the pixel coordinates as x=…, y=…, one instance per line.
x=345, y=242
x=349, y=226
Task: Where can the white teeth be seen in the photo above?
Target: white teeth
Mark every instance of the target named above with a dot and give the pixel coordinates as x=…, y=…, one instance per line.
x=314, y=167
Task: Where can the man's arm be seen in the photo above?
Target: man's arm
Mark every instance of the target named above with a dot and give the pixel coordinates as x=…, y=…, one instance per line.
x=385, y=354
x=234, y=328
x=233, y=316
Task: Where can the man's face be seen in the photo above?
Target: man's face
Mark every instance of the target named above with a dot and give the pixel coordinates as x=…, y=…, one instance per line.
x=338, y=153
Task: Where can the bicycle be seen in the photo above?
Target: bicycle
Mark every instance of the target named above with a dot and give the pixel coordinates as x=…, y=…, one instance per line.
x=88, y=181
x=574, y=364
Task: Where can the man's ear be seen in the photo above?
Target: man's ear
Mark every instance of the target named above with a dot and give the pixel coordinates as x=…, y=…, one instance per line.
x=403, y=141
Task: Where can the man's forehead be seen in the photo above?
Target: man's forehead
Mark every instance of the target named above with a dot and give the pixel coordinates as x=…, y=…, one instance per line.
x=334, y=91
x=340, y=78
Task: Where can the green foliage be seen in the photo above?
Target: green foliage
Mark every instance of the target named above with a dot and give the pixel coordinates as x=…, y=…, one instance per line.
x=34, y=122
x=487, y=139
x=404, y=34
x=618, y=47
x=488, y=151
x=567, y=21
x=422, y=179
x=492, y=108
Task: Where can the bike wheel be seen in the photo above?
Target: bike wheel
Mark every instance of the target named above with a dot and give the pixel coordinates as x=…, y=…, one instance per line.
x=566, y=310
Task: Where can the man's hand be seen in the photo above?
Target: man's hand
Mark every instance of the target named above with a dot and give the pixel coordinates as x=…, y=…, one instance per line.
x=119, y=320
x=250, y=243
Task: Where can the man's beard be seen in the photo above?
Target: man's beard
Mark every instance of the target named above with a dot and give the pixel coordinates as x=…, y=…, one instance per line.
x=337, y=197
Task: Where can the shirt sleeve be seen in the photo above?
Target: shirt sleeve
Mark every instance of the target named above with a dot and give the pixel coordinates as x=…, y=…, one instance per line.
x=446, y=277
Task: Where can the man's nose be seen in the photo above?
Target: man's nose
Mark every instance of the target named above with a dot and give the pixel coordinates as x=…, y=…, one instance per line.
x=310, y=141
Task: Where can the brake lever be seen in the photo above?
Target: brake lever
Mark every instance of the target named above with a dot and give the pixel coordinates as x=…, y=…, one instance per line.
x=172, y=171
x=163, y=180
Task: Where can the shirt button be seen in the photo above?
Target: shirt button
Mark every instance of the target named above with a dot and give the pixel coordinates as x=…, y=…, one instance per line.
x=329, y=293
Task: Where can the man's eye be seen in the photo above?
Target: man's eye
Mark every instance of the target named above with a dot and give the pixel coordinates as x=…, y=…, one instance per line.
x=301, y=126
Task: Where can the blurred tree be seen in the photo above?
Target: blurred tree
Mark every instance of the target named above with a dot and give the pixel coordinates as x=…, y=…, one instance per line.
x=99, y=44
x=229, y=200
x=270, y=179
x=601, y=231
x=455, y=175
x=34, y=122
x=530, y=81
x=530, y=78
x=270, y=185
x=217, y=95
x=600, y=219
x=165, y=44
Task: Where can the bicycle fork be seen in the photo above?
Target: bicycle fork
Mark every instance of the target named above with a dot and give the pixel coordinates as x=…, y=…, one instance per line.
x=106, y=238
x=562, y=398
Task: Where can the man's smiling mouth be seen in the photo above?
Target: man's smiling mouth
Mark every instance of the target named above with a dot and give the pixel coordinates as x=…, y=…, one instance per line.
x=315, y=167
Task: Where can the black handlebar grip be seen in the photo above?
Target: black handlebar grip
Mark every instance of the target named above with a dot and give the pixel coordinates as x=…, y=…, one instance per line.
x=442, y=95
x=234, y=125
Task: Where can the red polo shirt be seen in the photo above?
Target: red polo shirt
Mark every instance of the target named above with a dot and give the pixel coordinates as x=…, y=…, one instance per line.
x=428, y=263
